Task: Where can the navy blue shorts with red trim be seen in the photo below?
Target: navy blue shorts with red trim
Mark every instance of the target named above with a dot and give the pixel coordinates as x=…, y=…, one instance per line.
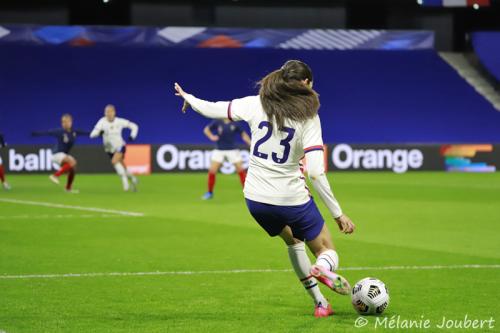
x=305, y=220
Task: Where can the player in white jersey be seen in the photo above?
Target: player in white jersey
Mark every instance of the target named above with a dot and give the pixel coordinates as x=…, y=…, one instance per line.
x=110, y=127
x=285, y=126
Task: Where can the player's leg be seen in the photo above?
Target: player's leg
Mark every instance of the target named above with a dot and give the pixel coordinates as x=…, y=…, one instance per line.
x=327, y=262
x=133, y=179
x=302, y=266
x=215, y=164
x=117, y=162
x=238, y=164
x=273, y=220
x=5, y=185
x=62, y=160
x=71, y=173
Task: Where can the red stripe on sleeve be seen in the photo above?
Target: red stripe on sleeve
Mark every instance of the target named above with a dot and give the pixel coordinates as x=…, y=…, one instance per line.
x=312, y=148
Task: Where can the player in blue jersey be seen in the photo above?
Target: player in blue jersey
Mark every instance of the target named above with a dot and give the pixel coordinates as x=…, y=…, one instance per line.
x=66, y=137
x=5, y=185
x=224, y=133
x=285, y=127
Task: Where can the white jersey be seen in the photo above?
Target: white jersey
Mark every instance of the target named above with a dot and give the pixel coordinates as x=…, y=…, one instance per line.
x=274, y=175
x=112, y=132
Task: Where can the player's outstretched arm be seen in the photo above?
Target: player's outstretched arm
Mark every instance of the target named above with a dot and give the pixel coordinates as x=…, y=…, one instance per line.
x=82, y=132
x=217, y=110
x=44, y=133
x=316, y=172
x=97, y=131
x=134, y=130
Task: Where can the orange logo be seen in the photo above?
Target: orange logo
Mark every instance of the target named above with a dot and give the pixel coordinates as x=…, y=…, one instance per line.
x=138, y=159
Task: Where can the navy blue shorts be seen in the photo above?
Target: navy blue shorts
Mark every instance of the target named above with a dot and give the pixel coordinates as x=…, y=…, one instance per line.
x=122, y=150
x=305, y=220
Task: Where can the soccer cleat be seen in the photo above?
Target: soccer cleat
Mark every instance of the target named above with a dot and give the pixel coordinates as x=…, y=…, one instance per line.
x=6, y=186
x=207, y=196
x=54, y=179
x=320, y=311
x=133, y=182
x=72, y=191
x=332, y=280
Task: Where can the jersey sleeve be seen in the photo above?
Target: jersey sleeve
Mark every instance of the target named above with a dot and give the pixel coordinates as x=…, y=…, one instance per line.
x=82, y=132
x=241, y=109
x=50, y=132
x=133, y=127
x=214, y=110
x=312, y=138
x=97, y=129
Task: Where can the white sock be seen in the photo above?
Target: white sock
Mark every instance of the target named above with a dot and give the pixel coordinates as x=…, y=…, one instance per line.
x=120, y=170
x=329, y=259
x=130, y=175
x=302, y=267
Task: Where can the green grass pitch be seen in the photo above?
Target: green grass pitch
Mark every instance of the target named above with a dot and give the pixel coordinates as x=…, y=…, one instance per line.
x=414, y=219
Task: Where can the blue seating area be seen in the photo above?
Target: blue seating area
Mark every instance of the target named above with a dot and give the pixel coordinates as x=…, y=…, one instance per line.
x=487, y=47
x=368, y=96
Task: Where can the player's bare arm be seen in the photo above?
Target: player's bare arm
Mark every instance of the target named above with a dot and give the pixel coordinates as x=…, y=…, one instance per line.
x=246, y=138
x=208, y=133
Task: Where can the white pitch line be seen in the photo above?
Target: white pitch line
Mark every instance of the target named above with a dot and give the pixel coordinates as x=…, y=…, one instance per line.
x=238, y=271
x=57, y=216
x=88, y=209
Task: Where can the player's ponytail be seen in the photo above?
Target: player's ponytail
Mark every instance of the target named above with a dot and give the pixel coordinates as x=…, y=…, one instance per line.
x=285, y=96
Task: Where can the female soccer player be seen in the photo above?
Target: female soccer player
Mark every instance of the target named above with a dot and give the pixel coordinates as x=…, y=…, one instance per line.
x=66, y=137
x=5, y=185
x=223, y=133
x=285, y=126
x=110, y=127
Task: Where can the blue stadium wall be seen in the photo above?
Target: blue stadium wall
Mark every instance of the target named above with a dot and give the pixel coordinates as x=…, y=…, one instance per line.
x=367, y=96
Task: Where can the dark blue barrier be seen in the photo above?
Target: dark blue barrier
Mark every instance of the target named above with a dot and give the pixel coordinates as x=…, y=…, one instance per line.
x=487, y=47
x=366, y=96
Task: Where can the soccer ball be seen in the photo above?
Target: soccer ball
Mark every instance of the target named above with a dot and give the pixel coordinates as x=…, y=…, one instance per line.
x=370, y=296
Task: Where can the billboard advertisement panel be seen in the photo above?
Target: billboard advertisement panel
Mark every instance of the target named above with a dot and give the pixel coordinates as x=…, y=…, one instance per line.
x=145, y=159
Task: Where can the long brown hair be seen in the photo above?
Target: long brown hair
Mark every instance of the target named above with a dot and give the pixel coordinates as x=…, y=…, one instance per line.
x=285, y=96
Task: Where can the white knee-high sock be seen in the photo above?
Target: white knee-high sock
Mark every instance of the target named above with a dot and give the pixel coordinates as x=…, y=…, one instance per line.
x=120, y=170
x=329, y=259
x=128, y=173
x=302, y=267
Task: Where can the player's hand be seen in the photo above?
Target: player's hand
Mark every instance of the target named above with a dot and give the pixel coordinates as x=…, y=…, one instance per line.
x=214, y=138
x=178, y=90
x=345, y=224
x=181, y=93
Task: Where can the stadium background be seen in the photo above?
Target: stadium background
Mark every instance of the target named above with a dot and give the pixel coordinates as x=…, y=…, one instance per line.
x=405, y=85
x=46, y=70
